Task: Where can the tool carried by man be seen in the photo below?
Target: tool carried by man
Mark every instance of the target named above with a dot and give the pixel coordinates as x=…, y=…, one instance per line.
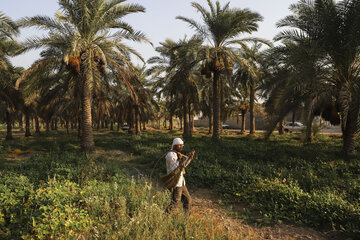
x=170, y=180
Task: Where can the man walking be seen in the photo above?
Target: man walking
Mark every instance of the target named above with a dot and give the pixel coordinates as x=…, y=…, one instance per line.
x=174, y=160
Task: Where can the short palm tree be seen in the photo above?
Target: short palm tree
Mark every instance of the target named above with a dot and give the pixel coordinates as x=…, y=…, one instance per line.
x=297, y=80
x=250, y=76
x=181, y=74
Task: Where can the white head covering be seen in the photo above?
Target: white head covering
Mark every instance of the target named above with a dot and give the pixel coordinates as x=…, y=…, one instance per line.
x=177, y=141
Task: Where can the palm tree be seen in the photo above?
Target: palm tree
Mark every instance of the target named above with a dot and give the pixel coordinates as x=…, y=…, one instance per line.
x=181, y=69
x=250, y=76
x=10, y=99
x=80, y=34
x=221, y=28
x=147, y=105
x=8, y=46
x=297, y=80
x=206, y=99
x=241, y=105
x=7, y=26
x=160, y=66
x=335, y=26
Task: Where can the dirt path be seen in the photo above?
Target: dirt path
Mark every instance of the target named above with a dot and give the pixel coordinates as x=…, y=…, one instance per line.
x=206, y=203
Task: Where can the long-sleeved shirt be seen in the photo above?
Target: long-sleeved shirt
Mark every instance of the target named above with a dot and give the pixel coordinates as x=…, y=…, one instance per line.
x=171, y=164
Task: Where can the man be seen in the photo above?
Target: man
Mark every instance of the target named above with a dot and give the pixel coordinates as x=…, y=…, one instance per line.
x=174, y=161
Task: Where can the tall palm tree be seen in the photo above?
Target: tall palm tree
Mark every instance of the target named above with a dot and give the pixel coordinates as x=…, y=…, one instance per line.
x=335, y=26
x=221, y=27
x=7, y=26
x=81, y=35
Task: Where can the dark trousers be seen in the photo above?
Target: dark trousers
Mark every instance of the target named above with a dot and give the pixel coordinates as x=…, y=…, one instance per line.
x=180, y=195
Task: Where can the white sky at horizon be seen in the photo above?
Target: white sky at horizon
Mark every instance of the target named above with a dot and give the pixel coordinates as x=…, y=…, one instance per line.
x=158, y=22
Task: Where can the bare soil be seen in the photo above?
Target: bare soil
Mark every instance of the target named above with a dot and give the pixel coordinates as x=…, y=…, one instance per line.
x=207, y=203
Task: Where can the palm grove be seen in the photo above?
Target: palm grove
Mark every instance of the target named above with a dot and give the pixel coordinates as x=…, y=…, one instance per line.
x=85, y=77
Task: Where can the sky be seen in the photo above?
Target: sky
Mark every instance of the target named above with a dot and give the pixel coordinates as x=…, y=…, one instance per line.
x=158, y=22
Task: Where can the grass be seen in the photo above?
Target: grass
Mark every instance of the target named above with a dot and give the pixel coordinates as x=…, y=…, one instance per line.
x=60, y=193
x=281, y=180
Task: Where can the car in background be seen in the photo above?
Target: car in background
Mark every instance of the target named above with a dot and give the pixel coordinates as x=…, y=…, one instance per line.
x=125, y=127
x=293, y=127
x=225, y=126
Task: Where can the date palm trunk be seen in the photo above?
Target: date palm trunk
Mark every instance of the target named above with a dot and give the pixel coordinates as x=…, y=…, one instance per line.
x=131, y=120
x=171, y=123
x=187, y=129
x=350, y=129
x=144, y=126
x=216, y=107
x=309, y=134
x=37, y=125
x=9, y=135
x=243, y=121
x=309, y=137
x=87, y=138
x=210, y=120
x=47, y=123
x=67, y=126
x=27, y=125
x=137, y=121
x=281, y=128
x=193, y=123
x=181, y=123
x=118, y=124
x=252, y=110
x=98, y=124
x=221, y=106
x=191, y=127
x=79, y=127
x=56, y=123
x=21, y=123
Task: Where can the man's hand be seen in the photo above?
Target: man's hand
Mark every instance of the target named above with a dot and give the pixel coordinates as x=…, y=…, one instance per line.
x=191, y=154
x=180, y=156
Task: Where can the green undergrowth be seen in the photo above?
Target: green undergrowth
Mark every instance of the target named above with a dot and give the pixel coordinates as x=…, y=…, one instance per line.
x=63, y=194
x=282, y=179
